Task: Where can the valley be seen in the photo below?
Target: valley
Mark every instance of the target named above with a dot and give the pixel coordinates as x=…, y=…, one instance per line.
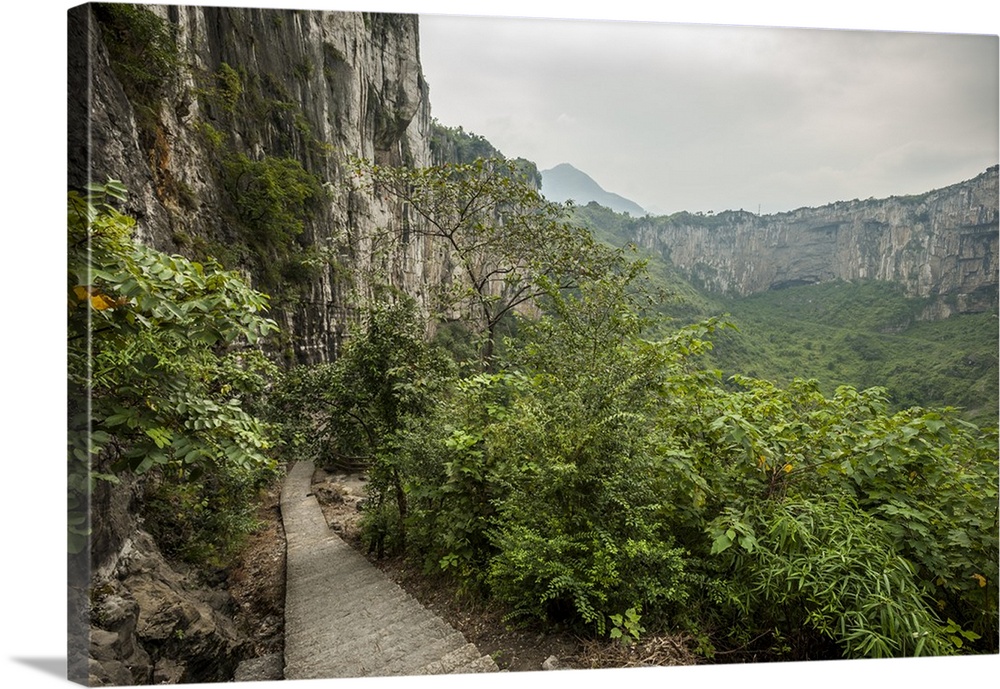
x=933, y=349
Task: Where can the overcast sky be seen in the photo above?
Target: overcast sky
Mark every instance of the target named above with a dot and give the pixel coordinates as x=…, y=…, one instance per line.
x=689, y=117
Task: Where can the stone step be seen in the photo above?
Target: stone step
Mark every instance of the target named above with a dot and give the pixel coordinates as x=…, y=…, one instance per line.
x=418, y=652
x=370, y=640
x=457, y=658
x=481, y=664
x=360, y=596
x=345, y=618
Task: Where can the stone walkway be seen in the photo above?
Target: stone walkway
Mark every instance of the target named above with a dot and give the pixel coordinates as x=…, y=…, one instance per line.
x=344, y=618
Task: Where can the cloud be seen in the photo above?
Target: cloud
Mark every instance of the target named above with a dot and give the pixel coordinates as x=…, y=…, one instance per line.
x=713, y=117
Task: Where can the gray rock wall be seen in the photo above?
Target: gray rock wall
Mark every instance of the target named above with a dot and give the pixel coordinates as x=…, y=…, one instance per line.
x=317, y=87
x=942, y=245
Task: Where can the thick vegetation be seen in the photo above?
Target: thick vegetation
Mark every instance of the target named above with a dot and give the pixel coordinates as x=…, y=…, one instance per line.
x=597, y=477
x=455, y=146
x=861, y=334
x=866, y=334
x=162, y=381
x=586, y=474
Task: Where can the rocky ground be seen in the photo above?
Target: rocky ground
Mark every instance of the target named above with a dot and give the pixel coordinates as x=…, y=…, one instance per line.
x=257, y=581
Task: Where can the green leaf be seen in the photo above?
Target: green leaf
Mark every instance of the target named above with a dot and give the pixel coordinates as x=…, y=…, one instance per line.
x=721, y=543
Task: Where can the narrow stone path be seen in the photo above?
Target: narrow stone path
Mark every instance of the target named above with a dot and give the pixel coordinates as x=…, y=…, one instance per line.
x=345, y=618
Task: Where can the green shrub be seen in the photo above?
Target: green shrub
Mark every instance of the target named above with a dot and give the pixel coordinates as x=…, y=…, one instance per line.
x=923, y=484
x=142, y=49
x=204, y=517
x=273, y=197
x=162, y=367
x=827, y=566
x=229, y=86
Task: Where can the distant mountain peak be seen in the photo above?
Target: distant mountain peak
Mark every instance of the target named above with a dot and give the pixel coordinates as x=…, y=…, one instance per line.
x=564, y=182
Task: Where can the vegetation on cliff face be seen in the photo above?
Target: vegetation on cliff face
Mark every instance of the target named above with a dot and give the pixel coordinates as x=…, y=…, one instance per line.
x=454, y=145
x=270, y=197
x=142, y=48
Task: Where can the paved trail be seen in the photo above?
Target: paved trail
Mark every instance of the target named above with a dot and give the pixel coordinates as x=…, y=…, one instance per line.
x=344, y=618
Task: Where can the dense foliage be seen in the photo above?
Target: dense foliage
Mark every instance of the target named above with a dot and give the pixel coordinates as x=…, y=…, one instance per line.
x=453, y=145
x=866, y=334
x=162, y=379
x=593, y=474
x=272, y=197
x=597, y=478
x=359, y=406
x=863, y=334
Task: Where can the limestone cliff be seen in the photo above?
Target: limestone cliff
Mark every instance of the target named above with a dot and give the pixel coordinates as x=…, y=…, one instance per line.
x=248, y=87
x=941, y=245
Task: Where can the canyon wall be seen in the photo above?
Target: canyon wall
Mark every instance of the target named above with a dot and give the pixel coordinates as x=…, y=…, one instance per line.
x=941, y=245
x=248, y=89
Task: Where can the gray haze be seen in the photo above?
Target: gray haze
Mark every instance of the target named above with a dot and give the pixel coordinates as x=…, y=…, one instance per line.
x=689, y=117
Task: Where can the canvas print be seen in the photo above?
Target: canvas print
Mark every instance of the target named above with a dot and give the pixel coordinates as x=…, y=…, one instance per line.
x=415, y=345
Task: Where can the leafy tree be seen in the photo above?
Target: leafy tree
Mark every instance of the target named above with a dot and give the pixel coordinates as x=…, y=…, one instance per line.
x=161, y=365
x=583, y=531
x=362, y=405
x=508, y=243
x=823, y=565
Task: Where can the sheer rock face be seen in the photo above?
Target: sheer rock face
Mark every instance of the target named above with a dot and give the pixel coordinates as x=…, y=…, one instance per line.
x=940, y=245
x=317, y=87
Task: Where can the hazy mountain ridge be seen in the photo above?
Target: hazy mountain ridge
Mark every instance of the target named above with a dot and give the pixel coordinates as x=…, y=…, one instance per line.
x=861, y=333
x=566, y=183
x=941, y=245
